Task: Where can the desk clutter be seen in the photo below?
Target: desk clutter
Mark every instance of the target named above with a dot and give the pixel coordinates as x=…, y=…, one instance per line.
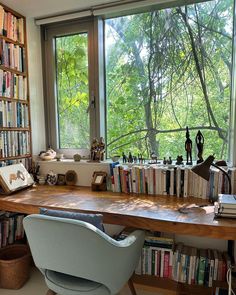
x=177, y=181
x=162, y=258
x=226, y=206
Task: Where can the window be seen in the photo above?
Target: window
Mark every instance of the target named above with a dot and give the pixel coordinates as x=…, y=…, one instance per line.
x=69, y=71
x=164, y=70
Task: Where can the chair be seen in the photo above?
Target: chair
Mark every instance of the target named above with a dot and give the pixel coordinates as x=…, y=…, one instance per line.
x=77, y=258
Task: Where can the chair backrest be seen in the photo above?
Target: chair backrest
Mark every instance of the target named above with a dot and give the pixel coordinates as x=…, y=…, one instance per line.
x=77, y=248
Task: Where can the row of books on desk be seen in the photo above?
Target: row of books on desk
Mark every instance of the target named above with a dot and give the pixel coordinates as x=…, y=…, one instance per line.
x=11, y=228
x=160, y=180
x=181, y=263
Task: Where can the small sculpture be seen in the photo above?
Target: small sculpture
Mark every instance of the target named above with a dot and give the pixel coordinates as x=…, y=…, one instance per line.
x=51, y=178
x=97, y=150
x=153, y=158
x=124, y=157
x=169, y=161
x=77, y=157
x=101, y=149
x=48, y=155
x=164, y=161
x=199, y=142
x=94, y=150
x=179, y=160
x=130, y=158
x=188, y=148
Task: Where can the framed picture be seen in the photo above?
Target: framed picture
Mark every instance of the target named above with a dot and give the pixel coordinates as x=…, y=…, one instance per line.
x=99, y=181
x=14, y=177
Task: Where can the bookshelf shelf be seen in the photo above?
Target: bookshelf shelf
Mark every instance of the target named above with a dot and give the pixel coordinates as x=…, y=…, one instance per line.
x=15, y=125
x=24, y=74
x=179, y=288
x=14, y=129
x=11, y=41
x=16, y=157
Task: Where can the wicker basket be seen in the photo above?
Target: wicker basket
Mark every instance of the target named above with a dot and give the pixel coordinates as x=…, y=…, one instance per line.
x=14, y=266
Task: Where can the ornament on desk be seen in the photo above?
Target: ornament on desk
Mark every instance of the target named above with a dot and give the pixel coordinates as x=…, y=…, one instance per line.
x=199, y=143
x=97, y=150
x=188, y=148
x=77, y=158
x=51, y=178
x=179, y=160
x=50, y=154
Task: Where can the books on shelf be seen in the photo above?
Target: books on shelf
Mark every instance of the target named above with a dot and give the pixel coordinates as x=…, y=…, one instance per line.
x=11, y=228
x=11, y=26
x=162, y=180
x=161, y=257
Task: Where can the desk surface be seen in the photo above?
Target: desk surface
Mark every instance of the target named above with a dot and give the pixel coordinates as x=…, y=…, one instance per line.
x=158, y=213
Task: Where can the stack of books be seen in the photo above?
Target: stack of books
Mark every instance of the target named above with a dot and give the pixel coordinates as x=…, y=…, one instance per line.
x=226, y=206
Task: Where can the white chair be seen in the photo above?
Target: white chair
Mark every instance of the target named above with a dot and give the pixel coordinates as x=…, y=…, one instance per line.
x=77, y=258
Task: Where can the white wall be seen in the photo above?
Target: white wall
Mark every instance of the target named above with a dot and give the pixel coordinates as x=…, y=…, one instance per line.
x=36, y=86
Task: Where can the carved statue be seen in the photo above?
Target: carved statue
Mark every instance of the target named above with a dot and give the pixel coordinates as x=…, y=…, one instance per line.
x=188, y=148
x=199, y=143
x=101, y=149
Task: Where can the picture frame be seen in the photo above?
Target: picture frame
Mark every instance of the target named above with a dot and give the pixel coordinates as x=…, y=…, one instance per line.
x=99, y=182
x=14, y=177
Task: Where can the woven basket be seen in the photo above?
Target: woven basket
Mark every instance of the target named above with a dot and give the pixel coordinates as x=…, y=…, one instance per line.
x=14, y=266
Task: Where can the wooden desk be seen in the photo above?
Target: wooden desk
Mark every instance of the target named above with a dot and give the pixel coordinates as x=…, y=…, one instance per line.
x=158, y=213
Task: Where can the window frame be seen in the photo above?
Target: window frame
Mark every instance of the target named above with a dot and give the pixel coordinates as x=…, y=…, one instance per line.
x=49, y=32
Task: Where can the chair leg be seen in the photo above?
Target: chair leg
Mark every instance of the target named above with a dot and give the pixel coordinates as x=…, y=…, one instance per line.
x=50, y=292
x=131, y=286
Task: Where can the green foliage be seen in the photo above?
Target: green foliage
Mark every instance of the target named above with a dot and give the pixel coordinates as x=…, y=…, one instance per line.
x=166, y=70
x=72, y=90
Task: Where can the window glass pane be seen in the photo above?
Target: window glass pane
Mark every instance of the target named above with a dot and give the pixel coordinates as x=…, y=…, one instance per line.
x=166, y=70
x=72, y=90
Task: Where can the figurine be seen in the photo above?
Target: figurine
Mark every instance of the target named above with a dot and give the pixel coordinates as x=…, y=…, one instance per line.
x=199, y=142
x=130, y=158
x=164, y=161
x=48, y=155
x=188, y=148
x=94, y=150
x=179, y=160
x=101, y=149
x=169, y=161
x=77, y=157
x=124, y=157
x=154, y=157
x=51, y=178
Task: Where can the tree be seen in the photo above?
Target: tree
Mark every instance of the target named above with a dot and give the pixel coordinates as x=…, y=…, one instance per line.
x=166, y=70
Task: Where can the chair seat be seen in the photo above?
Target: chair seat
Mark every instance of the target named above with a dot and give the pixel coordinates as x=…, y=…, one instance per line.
x=69, y=285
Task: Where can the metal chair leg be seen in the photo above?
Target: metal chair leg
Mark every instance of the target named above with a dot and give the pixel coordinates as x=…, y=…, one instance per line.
x=131, y=286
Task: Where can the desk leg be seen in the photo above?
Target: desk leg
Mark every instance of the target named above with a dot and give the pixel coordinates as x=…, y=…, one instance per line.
x=131, y=286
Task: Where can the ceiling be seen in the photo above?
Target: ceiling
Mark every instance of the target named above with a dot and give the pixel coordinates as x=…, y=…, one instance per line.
x=36, y=8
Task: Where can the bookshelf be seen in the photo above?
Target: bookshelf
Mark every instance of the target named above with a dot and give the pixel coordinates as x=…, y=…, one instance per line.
x=15, y=126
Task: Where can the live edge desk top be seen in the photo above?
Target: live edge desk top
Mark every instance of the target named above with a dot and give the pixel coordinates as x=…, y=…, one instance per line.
x=158, y=213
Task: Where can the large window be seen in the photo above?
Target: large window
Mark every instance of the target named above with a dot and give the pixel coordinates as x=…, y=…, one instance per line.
x=166, y=70
x=70, y=87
